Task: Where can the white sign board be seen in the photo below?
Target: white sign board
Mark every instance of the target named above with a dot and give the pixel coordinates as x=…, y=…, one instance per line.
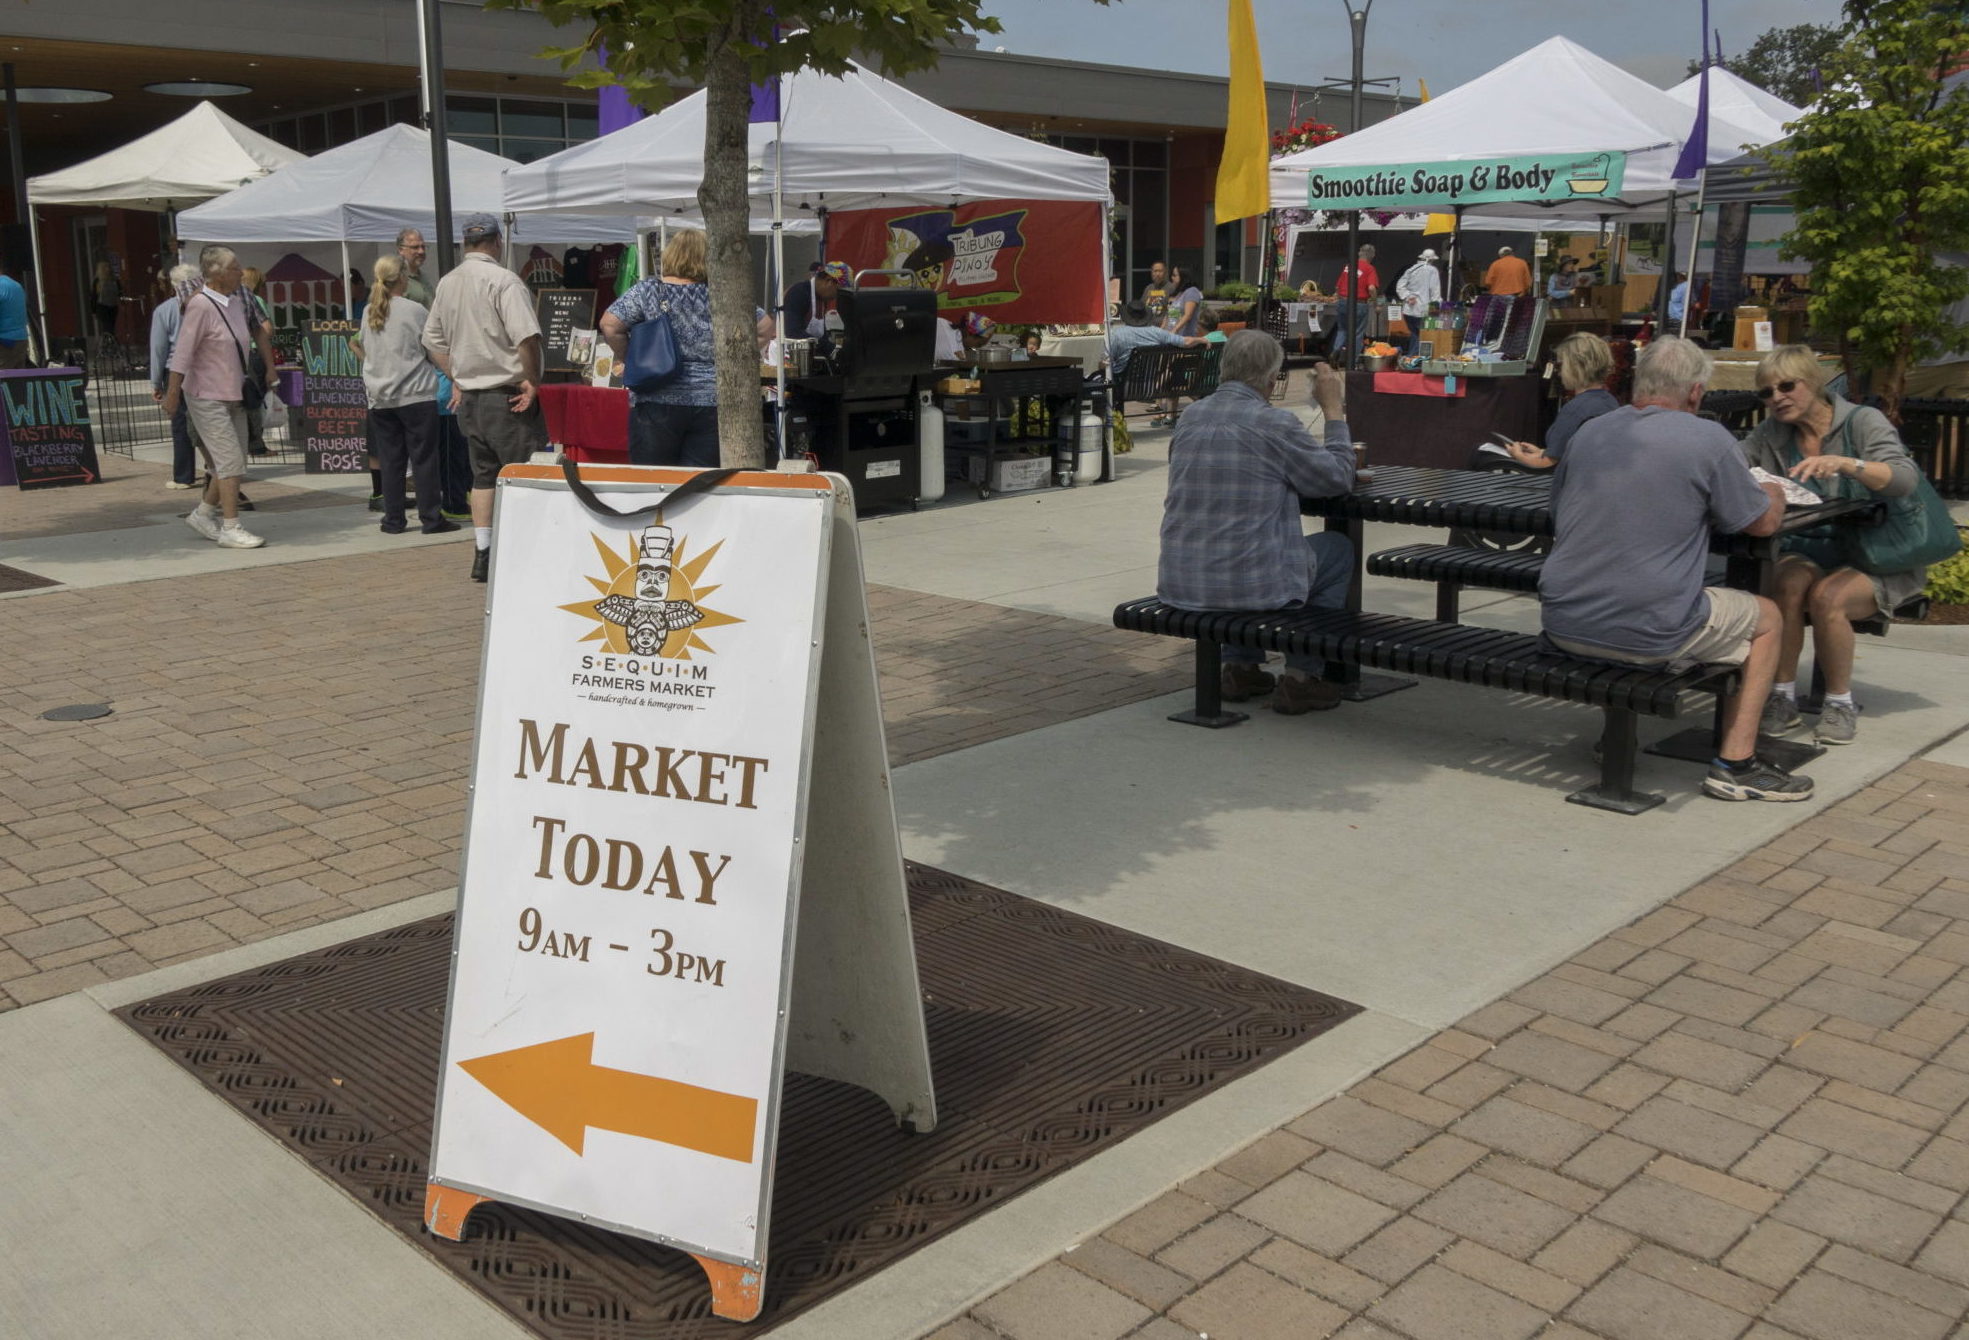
x=638, y=833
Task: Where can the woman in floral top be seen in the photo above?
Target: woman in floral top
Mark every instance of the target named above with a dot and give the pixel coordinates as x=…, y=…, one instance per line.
x=676, y=422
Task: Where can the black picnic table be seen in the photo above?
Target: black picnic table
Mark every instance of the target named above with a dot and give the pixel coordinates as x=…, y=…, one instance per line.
x=1521, y=503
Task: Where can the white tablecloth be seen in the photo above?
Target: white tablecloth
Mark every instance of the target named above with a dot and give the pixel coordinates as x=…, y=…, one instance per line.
x=1089, y=349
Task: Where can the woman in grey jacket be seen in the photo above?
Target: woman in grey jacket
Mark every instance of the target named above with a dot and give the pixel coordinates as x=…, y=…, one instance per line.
x=403, y=399
x=1813, y=435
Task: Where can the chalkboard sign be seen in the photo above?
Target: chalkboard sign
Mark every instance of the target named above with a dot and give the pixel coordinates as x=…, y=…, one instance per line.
x=561, y=312
x=45, y=416
x=334, y=407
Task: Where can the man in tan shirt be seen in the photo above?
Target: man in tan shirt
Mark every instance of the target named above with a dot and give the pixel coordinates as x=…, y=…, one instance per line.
x=1508, y=277
x=482, y=334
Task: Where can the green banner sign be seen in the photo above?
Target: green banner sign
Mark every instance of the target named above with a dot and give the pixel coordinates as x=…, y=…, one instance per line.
x=1540, y=179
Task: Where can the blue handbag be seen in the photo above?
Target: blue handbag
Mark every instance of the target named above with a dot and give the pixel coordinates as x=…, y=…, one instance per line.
x=653, y=354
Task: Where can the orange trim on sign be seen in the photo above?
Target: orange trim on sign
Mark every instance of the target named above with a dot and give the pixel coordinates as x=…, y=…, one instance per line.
x=661, y=474
x=558, y=1087
x=446, y=1209
x=737, y=1292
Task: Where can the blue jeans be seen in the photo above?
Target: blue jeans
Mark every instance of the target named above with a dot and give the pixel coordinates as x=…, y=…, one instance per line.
x=674, y=435
x=184, y=455
x=1331, y=557
x=1341, y=340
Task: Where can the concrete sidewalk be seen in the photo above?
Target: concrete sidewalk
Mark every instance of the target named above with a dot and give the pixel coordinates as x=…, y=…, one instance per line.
x=284, y=771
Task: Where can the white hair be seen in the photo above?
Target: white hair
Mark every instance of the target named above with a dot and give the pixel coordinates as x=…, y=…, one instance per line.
x=1669, y=368
x=1251, y=357
x=181, y=275
x=214, y=259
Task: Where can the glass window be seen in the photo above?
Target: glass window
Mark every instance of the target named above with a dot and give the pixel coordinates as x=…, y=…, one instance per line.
x=471, y=116
x=525, y=151
x=1151, y=153
x=1080, y=144
x=1115, y=151
x=404, y=111
x=489, y=143
x=371, y=117
x=310, y=134
x=532, y=120
x=583, y=123
x=341, y=126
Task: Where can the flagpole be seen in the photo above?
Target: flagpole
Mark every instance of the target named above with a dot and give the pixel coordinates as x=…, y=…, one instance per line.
x=779, y=253
x=1695, y=252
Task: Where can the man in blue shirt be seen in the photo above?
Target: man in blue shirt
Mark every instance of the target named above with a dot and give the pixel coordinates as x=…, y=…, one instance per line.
x=1231, y=534
x=13, y=322
x=1678, y=298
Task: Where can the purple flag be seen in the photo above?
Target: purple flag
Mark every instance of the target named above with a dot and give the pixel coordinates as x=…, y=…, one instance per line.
x=1695, y=153
x=765, y=102
x=613, y=109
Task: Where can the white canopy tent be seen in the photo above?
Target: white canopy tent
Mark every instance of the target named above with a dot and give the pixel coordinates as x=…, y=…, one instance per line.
x=1739, y=102
x=370, y=189
x=201, y=154
x=854, y=142
x=1557, y=99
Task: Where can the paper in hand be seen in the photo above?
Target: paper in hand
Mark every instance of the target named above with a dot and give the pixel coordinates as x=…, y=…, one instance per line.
x=1795, y=493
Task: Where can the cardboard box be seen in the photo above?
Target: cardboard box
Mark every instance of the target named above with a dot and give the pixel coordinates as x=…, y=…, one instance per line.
x=1746, y=329
x=959, y=386
x=1015, y=474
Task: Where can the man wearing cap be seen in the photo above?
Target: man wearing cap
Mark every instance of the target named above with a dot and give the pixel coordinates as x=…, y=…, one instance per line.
x=809, y=301
x=1419, y=289
x=483, y=335
x=1135, y=331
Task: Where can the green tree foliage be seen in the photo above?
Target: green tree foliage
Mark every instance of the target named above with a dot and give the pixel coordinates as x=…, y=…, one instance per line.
x=1785, y=61
x=1881, y=185
x=727, y=46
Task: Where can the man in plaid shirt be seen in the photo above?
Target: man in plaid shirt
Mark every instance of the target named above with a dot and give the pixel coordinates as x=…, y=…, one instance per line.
x=1231, y=533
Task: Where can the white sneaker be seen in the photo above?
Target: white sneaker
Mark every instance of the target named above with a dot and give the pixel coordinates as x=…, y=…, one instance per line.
x=204, y=523
x=174, y=484
x=238, y=537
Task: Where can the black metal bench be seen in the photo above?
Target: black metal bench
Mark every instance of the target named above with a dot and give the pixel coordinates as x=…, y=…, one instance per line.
x=1167, y=373
x=1452, y=567
x=1487, y=657
x=1937, y=436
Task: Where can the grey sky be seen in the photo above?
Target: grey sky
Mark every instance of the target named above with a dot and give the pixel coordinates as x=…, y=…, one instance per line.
x=1446, y=42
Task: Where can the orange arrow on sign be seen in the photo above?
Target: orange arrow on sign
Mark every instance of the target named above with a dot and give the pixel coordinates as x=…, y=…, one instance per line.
x=558, y=1087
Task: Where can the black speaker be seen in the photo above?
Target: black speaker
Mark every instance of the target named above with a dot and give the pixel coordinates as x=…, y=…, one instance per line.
x=886, y=332
x=16, y=249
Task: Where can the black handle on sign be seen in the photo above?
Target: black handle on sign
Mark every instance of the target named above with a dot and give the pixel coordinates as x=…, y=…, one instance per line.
x=701, y=482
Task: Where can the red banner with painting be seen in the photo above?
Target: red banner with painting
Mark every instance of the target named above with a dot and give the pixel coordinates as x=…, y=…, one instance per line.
x=1027, y=262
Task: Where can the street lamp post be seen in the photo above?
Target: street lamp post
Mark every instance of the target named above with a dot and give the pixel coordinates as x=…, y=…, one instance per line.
x=1357, y=21
x=431, y=58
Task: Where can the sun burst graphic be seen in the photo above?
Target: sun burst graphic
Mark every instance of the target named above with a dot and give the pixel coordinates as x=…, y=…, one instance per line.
x=686, y=583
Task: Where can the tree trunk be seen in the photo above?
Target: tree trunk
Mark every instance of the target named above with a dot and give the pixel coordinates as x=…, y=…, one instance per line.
x=1732, y=244
x=727, y=217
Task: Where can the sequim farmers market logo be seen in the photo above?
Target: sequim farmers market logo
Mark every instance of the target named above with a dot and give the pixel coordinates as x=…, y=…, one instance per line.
x=650, y=620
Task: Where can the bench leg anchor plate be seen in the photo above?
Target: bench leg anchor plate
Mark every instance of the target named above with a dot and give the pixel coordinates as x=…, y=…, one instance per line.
x=1374, y=686
x=1698, y=745
x=1629, y=802
x=1217, y=721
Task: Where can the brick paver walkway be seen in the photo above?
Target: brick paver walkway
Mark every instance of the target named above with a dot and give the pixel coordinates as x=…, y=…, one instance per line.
x=132, y=493
x=1746, y=1114
x=289, y=744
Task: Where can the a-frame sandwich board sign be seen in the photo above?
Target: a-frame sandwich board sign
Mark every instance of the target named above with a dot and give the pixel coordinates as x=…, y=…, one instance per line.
x=682, y=873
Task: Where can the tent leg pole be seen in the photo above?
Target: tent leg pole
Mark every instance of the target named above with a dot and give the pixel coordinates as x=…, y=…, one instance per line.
x=1666, y=285
x=348, y=289
x=1695, y=253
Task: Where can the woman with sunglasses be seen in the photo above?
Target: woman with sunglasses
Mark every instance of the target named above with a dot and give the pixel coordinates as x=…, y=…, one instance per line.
x=1821, y=439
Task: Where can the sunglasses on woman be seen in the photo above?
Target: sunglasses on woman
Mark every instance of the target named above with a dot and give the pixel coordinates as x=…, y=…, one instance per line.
x=1782, y=388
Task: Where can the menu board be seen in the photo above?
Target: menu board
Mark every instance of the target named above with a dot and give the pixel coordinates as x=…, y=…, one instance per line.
x=564, y=314
x=45, y=416
x=334, y=406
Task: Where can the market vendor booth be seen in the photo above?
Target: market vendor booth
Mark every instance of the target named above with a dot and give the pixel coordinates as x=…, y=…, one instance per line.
x=964, y=217
x=1595, y=144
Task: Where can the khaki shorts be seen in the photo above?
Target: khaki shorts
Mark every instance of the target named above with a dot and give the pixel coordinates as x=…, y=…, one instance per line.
x=1723, y=639
x=496, y=436
x=219, y=428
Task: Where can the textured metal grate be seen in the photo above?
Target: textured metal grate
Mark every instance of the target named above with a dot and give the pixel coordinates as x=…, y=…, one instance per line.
x=1051, y=1035
x=13, y=579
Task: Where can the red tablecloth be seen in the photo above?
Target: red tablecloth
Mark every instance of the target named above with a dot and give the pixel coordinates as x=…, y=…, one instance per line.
x=591, y=423
x=1433, y=429
x=1415, y=383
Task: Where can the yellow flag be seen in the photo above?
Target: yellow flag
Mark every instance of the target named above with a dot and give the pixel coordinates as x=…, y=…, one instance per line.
x=1243, y=181
x=1436, y=223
